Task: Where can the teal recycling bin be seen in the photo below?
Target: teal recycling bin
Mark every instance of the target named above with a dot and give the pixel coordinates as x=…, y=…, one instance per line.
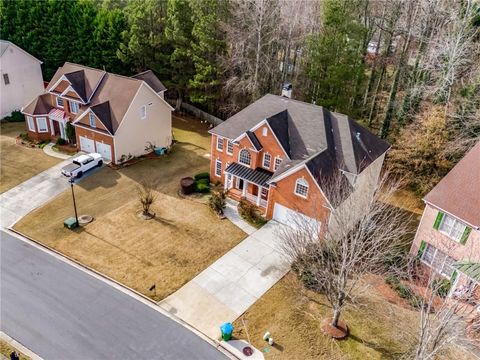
x=227, y=331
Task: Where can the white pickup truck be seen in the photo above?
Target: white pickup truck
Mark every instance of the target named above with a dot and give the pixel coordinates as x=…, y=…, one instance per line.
x=81, y=164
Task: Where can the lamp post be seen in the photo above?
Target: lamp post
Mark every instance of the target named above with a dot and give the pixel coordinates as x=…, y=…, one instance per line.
x=71, y=181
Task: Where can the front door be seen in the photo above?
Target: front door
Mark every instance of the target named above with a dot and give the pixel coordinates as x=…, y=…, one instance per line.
x=56, y=128
x=240, y=184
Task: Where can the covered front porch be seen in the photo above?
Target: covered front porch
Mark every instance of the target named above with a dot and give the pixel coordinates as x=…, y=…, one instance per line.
x=244, y=182
x=58, y=121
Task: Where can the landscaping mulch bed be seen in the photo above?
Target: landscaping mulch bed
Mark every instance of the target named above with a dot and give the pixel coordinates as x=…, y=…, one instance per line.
x=338, y=333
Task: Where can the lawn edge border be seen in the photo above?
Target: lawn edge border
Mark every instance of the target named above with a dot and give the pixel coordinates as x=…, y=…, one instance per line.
x=19, y=346
x=119, y=286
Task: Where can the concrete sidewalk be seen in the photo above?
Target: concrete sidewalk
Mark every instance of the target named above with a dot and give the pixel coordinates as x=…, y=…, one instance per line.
x=31, y=194
x=227, y=288
x=48, y=149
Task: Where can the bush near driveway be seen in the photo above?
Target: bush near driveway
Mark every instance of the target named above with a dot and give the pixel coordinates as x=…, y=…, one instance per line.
x=167, y=251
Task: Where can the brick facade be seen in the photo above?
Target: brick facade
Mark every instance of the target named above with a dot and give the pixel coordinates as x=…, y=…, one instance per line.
x=95, y=136
x=284, y=192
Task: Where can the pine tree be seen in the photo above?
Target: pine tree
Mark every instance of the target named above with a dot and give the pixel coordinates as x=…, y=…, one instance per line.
x=334, y=66
x=178, y=33
x=207, y=48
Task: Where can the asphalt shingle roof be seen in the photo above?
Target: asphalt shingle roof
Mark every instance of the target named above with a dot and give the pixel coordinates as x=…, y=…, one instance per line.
x=458, y=192
x=311, y=135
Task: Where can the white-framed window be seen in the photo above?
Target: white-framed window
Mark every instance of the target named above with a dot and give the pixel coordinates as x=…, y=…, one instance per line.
x=438, y=260
x=143, y=112
x=229, y=147
x=42, y=124
x=73, y=107
x=278, y=161
x=301, y=187
x=264, y=193
x=30, y=123
x=264, y=131
x=91, y=120
x=6, y=79
x=244, y=157
x=266, y=160
x=218, y=168
x=219, y=143
x=452, y=227
x=59, y=101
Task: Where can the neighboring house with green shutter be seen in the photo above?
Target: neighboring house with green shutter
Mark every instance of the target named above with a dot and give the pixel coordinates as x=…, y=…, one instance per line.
x=449, y=231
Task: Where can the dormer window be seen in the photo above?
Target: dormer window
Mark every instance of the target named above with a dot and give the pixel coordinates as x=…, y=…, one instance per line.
x=301, y=188
x=59, y=101
x=244, y=157
x=92, y=121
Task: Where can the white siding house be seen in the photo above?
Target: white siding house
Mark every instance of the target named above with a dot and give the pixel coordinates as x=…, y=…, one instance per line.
x=21, y=78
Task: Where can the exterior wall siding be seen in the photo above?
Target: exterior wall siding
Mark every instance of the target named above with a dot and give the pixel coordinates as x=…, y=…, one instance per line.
x=134, y=133
x=26, y=81
x=426, y=232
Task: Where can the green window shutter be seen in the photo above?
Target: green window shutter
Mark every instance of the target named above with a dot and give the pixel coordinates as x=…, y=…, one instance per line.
x=438, y=220
x=453, y=277
x=464, y=238
x=421, y=249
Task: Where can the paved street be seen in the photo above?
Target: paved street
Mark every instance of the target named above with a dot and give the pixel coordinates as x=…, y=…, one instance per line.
x=61, y=312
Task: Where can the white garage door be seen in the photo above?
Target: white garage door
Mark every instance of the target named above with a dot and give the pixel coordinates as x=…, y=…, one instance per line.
x=293, y=218
x=87, y=145
x=105, y=150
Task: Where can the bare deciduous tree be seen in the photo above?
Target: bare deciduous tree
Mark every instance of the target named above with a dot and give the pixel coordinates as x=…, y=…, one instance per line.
x=441, y=322
x=146, y=196
x=362, y=234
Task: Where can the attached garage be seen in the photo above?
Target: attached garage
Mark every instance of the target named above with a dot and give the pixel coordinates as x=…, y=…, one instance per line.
x=293, y=218
x=105, y=150
x=86, y=144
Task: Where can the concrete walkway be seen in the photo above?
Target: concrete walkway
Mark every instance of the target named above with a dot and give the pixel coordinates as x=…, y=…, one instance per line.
x=48, y=149
x=232, y=214
x=31, y=194
x=227, y=288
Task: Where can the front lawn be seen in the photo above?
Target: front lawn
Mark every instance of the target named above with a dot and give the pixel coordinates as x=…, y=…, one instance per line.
x=167, y=251
x=19, y=163
x=378, y=329
x=6, y=349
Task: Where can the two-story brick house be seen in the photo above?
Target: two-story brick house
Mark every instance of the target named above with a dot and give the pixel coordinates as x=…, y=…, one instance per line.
x=113, y=115
x=448, y=236
x=276, y=152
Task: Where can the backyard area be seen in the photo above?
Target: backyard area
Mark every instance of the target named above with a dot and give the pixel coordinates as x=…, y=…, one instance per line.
x=19, y=163
x=167, y=251
x=379, y=329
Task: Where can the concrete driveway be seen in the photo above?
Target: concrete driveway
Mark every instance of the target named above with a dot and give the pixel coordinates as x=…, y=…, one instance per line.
x=227, y=288
x=33, y=193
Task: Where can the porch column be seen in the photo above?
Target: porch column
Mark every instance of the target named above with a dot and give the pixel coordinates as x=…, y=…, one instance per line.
x=259, y=195
x=52, y=131
x=244, y=190
x=225, y=185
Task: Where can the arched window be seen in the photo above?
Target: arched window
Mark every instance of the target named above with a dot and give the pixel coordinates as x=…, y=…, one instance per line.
x=301, y=187
x=244, y=157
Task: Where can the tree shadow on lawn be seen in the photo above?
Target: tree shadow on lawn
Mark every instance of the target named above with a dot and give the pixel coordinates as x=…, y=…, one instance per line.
x=387, y=353
x=81, y=229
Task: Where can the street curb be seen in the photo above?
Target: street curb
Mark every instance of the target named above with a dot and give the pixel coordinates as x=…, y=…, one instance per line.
x=119, y=286
x=18, y=346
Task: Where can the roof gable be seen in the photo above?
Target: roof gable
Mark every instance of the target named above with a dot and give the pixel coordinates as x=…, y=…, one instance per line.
x=77, y=81
x=151, y=79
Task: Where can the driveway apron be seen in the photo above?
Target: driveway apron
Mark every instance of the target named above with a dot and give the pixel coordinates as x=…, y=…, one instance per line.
x=227, y=288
